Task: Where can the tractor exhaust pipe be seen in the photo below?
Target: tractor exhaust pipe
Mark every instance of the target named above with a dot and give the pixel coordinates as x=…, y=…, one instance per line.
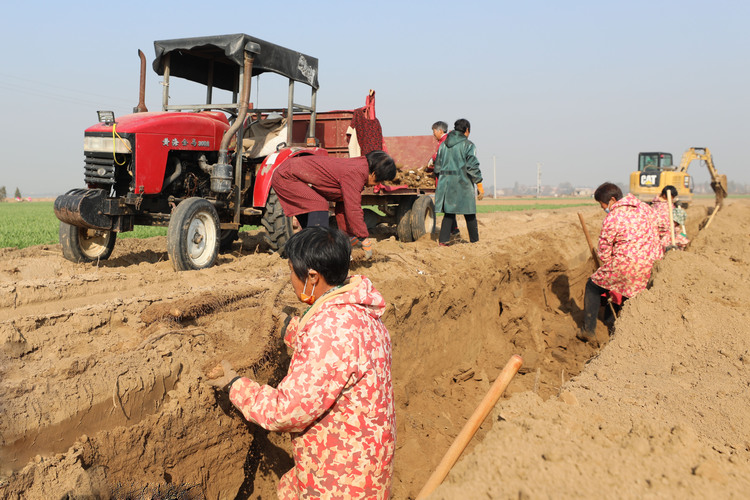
x=141, y=107
x=221, y=173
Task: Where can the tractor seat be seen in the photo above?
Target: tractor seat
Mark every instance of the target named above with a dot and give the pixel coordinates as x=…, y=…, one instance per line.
x=263, y=136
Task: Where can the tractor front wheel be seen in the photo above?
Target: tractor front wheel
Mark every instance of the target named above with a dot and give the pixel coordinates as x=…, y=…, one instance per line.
x=80, y=244
x=193, y=235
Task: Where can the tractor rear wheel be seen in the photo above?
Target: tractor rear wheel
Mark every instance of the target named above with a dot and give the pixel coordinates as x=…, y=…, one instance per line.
x=80, y=244
x=422, y=217
x=278, y=226
x=193, y=235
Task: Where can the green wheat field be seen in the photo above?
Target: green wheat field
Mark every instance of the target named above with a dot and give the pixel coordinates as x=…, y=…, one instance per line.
x=32, y=223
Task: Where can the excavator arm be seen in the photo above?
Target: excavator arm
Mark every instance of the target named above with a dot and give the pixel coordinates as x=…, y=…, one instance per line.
x=718, y=182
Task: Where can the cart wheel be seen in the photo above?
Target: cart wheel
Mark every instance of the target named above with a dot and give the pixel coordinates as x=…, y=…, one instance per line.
x=422, y=217
x=371, y=218
x=80, y=244
x=193, y=235
x=403, y=218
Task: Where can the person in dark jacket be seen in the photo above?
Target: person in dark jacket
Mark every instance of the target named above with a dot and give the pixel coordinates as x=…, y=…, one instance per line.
x=306, y=184
x=457, y=169
x=440, y=133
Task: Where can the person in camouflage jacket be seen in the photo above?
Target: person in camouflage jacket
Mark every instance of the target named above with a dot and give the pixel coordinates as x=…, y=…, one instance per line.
x=337, y=397
x=628, y=247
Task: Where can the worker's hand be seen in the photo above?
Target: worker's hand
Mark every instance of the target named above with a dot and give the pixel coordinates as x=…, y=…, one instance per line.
x=354, y=241
x=367, y=247
x=480, y=188
x=220, y=376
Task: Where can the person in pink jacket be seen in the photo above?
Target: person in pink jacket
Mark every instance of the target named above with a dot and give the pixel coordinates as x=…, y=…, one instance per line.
x=628, y=247
x=661, y=208
x=337, y=397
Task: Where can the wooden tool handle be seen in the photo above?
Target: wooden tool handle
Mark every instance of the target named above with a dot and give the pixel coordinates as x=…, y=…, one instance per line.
x=472, y=425
x=671, y=217
x=588, y=240
x=716, y=210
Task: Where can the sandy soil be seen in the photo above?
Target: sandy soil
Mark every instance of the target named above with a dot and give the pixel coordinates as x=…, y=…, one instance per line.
x=101, y=376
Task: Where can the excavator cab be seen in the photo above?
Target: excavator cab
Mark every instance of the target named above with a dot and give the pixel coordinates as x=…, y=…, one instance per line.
x=654, y=161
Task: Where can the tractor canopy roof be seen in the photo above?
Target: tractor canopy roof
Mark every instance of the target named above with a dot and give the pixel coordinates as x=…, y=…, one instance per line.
x=190, y=58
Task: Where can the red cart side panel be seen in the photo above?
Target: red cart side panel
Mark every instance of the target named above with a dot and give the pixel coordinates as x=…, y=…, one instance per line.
x=270, y=164
x=330, y=130
x=411, y=152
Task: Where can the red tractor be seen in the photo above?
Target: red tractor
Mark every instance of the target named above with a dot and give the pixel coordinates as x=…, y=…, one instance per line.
x=181, y=167
x=204, y=170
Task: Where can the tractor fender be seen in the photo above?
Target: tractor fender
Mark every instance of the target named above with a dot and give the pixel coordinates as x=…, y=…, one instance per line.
x=262, y=184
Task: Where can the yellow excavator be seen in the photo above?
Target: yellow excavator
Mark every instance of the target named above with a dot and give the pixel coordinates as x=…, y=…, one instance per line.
x=656, y=170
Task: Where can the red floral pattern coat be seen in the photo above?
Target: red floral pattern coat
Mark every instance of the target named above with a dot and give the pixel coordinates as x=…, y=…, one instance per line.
x=628, y=247
x=661, y=211
x=336, y=399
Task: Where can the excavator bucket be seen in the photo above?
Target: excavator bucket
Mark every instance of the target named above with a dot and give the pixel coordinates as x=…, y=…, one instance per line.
x=719, y=185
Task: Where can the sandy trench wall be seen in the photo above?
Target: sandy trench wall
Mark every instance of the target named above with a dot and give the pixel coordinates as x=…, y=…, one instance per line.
x=660, y=412
x=111, y=391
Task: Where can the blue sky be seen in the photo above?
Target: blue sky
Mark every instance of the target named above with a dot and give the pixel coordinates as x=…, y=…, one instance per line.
x=578, y=86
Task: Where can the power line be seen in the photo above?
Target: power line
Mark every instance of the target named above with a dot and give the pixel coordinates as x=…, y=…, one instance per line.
x=51, y=91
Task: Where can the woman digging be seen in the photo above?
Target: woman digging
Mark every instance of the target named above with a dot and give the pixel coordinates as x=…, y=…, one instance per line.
x=337, y=397
x=666, y=225
x=628, y=247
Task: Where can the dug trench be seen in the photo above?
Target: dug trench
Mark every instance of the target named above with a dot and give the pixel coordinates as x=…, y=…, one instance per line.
x=102, y=377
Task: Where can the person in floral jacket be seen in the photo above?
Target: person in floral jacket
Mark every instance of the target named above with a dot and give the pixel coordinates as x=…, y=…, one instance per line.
x=661, y=208
x=337, y=397
x=628, y=247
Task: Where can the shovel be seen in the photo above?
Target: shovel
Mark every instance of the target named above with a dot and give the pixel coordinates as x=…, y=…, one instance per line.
x=596, y=257
x=671, y=220
x=472, y=425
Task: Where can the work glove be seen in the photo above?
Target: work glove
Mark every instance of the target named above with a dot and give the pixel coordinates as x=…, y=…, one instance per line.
x=367, y=247
x=365, y=243
x=480, y=188
x=222, y=375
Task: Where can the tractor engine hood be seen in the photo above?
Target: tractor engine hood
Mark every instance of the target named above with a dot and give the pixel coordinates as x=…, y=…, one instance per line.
x=205, y=124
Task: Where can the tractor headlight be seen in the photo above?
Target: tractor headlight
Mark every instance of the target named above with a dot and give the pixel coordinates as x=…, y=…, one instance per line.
x=107, y=145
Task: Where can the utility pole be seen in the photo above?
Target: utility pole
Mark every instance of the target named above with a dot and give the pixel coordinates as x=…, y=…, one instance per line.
x=538, y=179
x=494, y=177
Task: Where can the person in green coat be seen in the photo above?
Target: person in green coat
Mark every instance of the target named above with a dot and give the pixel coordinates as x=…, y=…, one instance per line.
x=457, y=170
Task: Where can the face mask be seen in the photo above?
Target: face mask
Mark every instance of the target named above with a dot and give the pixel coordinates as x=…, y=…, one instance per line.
x=307, y=299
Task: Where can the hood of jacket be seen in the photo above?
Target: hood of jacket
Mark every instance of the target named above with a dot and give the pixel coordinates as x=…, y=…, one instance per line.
x=358, y=290
x=629, y=200
x=454, y=137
